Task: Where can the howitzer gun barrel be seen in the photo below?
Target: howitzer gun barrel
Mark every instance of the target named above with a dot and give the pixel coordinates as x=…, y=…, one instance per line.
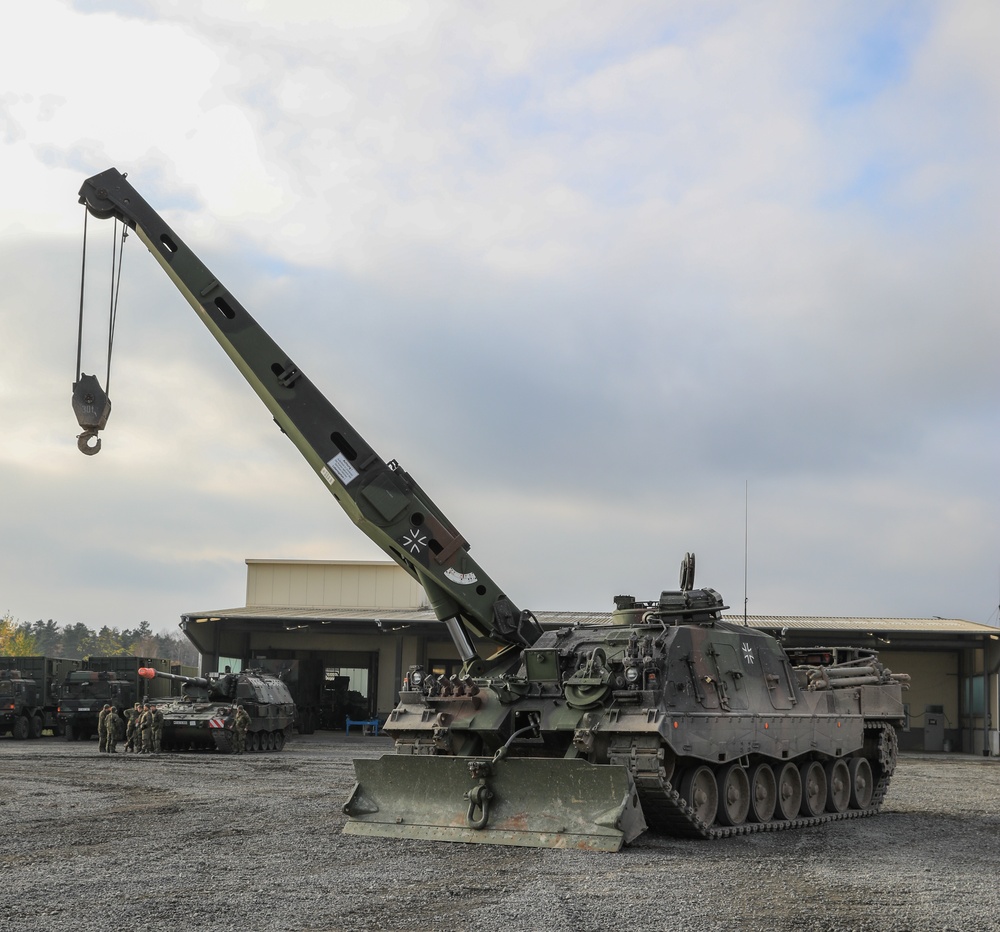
x=149, y=673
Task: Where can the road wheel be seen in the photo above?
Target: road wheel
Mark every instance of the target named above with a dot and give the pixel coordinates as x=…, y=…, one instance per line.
x=763, y=793
x=862, y=786
x=838, y=785
x=813, y=788
x=37, y=726
x=701, y=793
x=734, y=795
x=21, y=728
x=789, y=783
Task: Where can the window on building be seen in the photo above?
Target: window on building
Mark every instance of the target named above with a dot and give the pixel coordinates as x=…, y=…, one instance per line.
x=973, y=688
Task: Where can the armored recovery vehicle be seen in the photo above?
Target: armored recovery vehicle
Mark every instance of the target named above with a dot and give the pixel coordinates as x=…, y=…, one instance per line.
x=670, y=717
x=201, y=718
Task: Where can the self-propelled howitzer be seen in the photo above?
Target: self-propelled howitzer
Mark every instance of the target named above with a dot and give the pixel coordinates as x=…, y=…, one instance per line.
x=669, y=717
x=202, y=717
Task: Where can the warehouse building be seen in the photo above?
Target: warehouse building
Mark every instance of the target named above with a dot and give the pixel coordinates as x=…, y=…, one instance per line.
x=365, y=623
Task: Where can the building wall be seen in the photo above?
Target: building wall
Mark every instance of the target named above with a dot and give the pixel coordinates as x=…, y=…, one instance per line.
x=331, y=584
x=934, y=681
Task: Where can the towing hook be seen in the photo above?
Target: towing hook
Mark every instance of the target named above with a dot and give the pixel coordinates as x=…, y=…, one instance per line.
x=83, y=442
x=479, y=798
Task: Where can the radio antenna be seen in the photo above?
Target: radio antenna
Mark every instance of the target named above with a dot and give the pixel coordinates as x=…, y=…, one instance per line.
x=746, y=543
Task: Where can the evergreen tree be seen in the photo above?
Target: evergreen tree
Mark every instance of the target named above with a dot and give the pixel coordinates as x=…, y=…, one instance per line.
x=76, y=641
x=48, y=640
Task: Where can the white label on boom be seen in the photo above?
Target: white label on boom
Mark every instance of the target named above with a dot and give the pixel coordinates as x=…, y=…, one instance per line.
x=463, y=579
x=344, y=471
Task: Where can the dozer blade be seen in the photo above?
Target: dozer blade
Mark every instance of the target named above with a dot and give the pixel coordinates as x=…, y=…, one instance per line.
x=533, y=802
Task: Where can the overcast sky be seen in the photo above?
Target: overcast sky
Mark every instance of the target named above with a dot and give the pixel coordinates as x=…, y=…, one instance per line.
x=612, y=281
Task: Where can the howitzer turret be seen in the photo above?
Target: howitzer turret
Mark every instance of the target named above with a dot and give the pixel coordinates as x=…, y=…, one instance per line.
x=203, y=716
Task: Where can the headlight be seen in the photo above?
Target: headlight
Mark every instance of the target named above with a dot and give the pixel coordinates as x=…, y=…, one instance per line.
x=632, y=674
x=416, y=678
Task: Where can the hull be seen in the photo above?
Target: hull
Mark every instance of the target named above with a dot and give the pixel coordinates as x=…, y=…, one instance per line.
x=698, y=731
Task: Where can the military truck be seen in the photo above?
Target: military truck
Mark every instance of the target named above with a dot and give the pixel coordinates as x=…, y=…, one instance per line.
x=114, y=680
x=29, y=694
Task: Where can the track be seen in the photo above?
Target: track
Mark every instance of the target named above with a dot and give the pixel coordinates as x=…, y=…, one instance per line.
x=667, y=811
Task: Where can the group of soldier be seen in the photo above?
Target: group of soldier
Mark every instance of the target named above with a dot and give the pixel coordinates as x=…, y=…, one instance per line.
x=142, y=729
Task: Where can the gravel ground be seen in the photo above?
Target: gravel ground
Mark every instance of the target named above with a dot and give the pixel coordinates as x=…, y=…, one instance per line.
x=204, y=841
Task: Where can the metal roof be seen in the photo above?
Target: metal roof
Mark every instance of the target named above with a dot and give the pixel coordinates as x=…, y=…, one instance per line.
x=893, y=625
x=874, y=626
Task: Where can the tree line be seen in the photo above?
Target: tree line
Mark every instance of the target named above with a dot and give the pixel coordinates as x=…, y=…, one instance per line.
x=75, y=642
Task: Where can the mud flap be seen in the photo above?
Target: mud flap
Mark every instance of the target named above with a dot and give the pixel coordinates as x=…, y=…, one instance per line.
x=532, y=802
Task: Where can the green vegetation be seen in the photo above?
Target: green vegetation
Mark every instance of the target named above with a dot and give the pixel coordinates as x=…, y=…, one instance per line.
x=74, y=642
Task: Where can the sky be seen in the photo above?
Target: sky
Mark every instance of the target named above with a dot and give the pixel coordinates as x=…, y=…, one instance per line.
x=612, y=282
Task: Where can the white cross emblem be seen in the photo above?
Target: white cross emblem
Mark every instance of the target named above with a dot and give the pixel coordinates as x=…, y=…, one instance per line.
x=414, y=541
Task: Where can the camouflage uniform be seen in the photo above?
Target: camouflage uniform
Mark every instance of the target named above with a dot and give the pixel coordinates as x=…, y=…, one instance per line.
x=132, y=716
x=240, y=725
x=102, y=728
x=157, y=730
x=113, y=729
x=145, y=726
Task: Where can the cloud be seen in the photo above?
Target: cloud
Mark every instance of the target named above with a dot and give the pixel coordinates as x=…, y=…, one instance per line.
x=591, y=274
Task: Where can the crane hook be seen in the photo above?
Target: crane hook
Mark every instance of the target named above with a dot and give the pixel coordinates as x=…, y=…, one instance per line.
x=92, y=408
x=83, y=442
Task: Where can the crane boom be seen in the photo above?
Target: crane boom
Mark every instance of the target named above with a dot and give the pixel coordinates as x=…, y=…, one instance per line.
x=379, y=497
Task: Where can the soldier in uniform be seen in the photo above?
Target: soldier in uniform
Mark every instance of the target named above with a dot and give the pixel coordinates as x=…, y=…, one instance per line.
x=113, y=730
x=132, y=717
x=102, y=727
x=145, y=726
x=240, y=725
x=157, y=729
